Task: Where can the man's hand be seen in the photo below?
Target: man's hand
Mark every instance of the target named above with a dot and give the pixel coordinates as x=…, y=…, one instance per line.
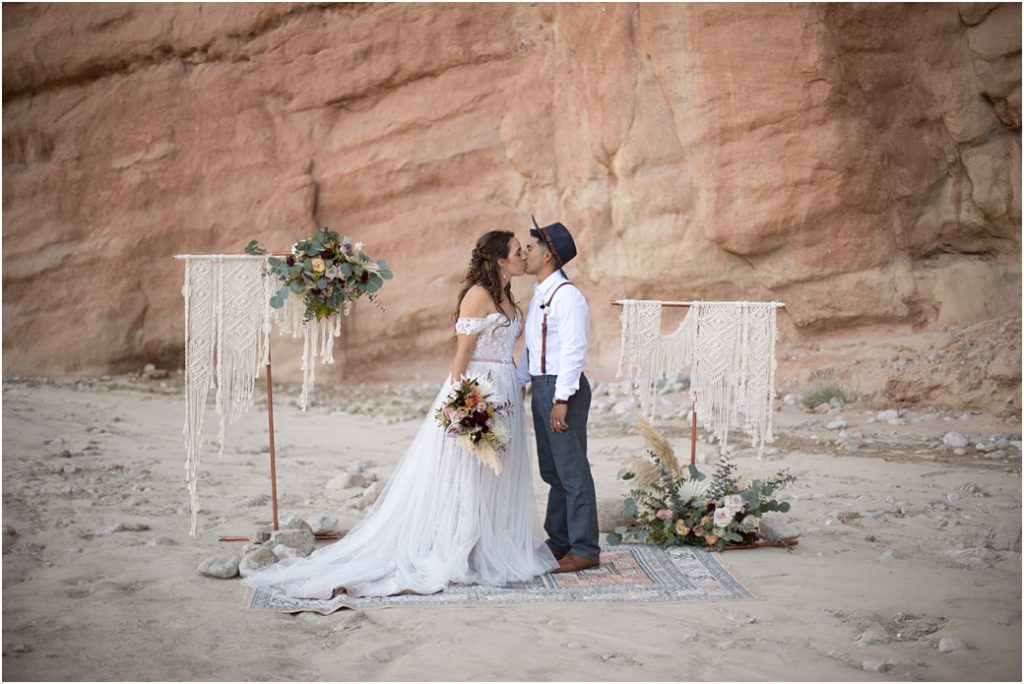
x=524, y=392
x=558, y=413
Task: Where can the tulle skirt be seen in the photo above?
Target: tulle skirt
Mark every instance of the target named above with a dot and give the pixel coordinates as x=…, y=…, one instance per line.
x=442, y=518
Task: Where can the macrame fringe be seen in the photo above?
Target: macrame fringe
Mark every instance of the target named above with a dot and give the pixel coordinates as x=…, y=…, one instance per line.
x=226, y=310
x=729, y=348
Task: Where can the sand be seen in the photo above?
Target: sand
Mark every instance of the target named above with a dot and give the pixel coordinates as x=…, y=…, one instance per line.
x=891, y=545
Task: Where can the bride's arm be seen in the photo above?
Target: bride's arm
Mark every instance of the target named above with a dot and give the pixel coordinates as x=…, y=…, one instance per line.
x=474, y=305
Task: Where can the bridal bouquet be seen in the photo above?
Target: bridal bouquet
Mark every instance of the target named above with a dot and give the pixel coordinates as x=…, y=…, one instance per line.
x=328, y=273
x=469, y=415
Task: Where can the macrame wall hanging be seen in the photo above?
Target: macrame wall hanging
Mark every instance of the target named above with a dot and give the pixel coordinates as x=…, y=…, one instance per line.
x=227, y=329
x=228, y=319
x=729, y=350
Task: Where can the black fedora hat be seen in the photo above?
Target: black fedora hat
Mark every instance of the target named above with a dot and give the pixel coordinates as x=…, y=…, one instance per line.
x=558, y=239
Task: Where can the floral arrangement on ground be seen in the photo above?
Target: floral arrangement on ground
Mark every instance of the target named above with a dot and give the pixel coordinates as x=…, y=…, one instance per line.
x=327, y=272
x=673, y=506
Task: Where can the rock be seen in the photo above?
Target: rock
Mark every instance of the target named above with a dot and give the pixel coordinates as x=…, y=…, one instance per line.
x=847, y=516
x=955, y=440
x=9, y=531
x=282, y=552
x=623, y=407
x=301, y=539
x=69, y=469
x=65, y=454
x=250, y=547
x=792, y=399
x=808, y=422
x=220, y=567
x=256, y=559
x=294, y=522
x=740, y=616
x=887, y=416
x=950, y=643
x=970, y=487
x=837, y=424
x=151, y=372
x=776, y=529
x=798, y=246
x=1007, y=536
x=21, y=648
x=952, y=497
x=262, y=535
x=872, y=637
x=986, y=447
x=112, y=528
x=324, y=525
x=888, y=554
x=258, y=500
x=370, y=496
x=346, y=481
x=358, y=466
x=161, y=541
x=611, y=513
x=874, y=666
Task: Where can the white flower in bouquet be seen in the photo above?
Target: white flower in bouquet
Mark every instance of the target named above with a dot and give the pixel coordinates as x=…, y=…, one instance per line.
x=723, y=516
x=750, y=523
x=735, y=502
x=485, y=386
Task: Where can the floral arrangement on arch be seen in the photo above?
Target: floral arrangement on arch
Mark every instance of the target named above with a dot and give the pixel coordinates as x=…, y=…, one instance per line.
x=329, y=274
x=469, y=414
x=676, y=506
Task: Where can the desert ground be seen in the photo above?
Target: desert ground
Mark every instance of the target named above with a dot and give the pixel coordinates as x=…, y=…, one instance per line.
x=906, y=545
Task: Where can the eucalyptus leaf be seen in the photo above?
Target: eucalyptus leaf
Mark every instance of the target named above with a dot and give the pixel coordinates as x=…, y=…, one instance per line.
x=630, y=509
x=297, y=286
x=295, y=270
x=346, y=269
x=784, y=507
x=621, y=530
x=274, y=262
x=613, y=539
x=254, y=248
x=625, y=474
x=321, y=283
x=373, y=284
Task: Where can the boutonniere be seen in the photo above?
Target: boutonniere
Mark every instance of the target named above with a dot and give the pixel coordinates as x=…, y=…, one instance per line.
x=545, y=309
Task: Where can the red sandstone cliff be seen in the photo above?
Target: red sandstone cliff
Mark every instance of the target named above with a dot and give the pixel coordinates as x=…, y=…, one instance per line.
x=859, y=162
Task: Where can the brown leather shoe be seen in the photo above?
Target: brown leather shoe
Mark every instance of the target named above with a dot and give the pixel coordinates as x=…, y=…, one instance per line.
x=573, y=563
x=559, y=555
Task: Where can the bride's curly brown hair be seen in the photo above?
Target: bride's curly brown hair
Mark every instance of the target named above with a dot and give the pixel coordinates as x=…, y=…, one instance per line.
x=483, y=270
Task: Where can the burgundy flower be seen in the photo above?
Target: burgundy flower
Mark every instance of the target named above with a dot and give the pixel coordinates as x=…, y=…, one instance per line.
x=290, y=260
x=365, y=277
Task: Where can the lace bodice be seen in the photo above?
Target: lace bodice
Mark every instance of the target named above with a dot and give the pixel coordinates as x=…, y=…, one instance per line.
x=496, y=339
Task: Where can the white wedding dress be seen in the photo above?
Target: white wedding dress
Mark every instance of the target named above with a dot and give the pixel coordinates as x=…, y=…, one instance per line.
x=443, y=517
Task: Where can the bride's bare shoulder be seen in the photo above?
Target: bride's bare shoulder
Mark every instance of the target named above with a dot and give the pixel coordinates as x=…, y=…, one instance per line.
x=476, y=304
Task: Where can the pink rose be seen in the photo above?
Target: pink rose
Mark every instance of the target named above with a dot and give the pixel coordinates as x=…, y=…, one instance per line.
x=699, y=531
x=664, y=514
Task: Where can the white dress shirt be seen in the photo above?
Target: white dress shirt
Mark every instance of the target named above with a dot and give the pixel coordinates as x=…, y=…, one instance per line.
x=568, y=324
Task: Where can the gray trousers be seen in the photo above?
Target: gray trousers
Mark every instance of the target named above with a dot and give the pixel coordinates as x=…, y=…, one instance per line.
x=571, y=519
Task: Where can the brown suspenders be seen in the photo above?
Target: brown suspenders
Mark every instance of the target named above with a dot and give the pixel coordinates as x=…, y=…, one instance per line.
x=544, y=328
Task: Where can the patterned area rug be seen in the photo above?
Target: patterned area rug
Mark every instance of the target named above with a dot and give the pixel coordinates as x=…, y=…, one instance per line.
x=630, y=573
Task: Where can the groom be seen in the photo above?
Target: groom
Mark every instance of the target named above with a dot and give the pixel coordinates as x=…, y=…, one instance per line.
x=556, y=341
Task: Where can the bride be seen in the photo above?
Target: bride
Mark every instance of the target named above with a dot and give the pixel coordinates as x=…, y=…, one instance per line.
x=443, y=516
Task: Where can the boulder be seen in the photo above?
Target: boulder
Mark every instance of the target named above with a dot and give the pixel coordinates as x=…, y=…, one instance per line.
x=300, y=539
x=219, y=567
x=255, y=560
x=611, y=513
